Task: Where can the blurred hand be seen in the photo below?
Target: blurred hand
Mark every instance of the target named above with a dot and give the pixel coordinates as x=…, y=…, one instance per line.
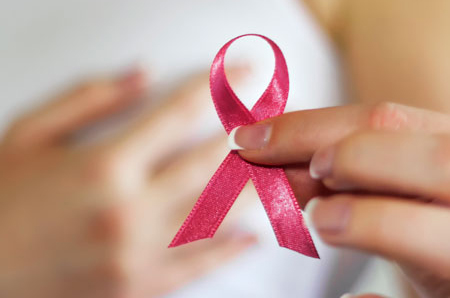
x=388, y=168
x=95, y=221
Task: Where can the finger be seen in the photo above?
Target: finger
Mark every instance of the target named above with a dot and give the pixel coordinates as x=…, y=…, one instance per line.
x=189, y=172
x=405, y=231
x=172, y=126
x=407, y=163
x=177, y=212
x=177, y=266
x=426, y=283
x=294, y=137
x=304, y=187
x=207, y=255
x=76, y=109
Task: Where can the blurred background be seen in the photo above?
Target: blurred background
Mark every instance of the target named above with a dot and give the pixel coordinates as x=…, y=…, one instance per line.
x=48, y=45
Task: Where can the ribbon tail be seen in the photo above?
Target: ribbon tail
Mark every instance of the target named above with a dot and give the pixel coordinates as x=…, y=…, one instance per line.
x=215, y=201
x=282, y=209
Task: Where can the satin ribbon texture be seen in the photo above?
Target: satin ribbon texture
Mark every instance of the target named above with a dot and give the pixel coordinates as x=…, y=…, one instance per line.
x=271, y=183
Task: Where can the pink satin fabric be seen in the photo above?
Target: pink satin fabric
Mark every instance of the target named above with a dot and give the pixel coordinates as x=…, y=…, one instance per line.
x=270, y=182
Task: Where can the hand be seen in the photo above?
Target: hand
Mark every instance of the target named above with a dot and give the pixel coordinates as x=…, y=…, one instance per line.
x=95, y=221
x=388, y=166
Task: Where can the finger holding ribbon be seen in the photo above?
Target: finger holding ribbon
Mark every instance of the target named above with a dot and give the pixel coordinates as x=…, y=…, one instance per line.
x=388, y=166
x=270, y=182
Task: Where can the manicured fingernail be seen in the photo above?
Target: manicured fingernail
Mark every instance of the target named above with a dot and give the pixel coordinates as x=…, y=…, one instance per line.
x=322, y=163
x=250, y=137
x=347, y=296
x=308, y=211
x=329, y=216
x=309, y=208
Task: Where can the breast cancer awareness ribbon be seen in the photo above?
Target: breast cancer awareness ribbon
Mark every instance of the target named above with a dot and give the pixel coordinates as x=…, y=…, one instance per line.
x=271, y=183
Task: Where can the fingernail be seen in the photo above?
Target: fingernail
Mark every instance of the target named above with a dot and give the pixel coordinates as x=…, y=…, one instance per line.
x=236, y=72
x=322, y=163
x=134, y=80
x=308, y=211
x=250, y=137
x=347, y=295
x=309, y=208
x=242, y=236
x=330, y=216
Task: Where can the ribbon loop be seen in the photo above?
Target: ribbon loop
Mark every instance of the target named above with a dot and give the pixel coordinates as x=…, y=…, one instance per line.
x=270, y=182
x=271, y=103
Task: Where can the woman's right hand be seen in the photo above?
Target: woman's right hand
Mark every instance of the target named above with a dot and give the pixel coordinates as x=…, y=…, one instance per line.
x=386, y=172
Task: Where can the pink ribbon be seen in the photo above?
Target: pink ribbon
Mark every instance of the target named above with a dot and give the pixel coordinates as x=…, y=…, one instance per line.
x=271, y=183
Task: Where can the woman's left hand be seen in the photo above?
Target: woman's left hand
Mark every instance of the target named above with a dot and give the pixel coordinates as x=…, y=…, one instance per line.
x=94, y=219
x=386, y=172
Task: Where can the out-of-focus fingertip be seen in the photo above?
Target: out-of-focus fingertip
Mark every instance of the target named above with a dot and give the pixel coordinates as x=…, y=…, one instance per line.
x=134, y=81
x=241, y=237
x=322, y=163
x=239, y=69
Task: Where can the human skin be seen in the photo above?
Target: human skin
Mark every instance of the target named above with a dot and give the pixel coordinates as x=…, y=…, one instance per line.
x=386, y=170
x=380, y=166
x=392, y=50
x=95, y=220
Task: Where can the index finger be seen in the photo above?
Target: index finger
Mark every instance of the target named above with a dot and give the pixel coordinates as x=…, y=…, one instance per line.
x=168, y=129
x=294, y=137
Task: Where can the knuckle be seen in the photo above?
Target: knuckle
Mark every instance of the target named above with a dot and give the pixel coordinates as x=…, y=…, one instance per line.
x=114, y=175
x=103, y=167
x=387, y=116
x=110, y=226
x=443, y=150
x=349, y=156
